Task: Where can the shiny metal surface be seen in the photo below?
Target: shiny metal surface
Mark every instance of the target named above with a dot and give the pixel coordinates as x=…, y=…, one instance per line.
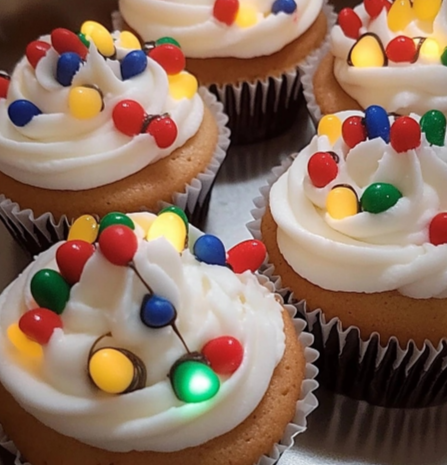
x=341, y=431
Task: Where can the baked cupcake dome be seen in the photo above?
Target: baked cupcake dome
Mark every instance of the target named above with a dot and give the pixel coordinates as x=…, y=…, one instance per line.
x=105, y=128
x=246, y=53
x=392, y=55
x=355, y=225
x=156, y=313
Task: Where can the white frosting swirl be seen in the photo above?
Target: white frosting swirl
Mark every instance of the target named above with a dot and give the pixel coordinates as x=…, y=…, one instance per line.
x=58, y=151
x=366, y=252
x=202, y=36
x=211, y=301
x=399, y=87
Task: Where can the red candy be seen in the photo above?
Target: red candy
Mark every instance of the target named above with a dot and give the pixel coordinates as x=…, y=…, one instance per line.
x=350, y=23
x=71, y=258
x=225, y=11
x=247, y=255
x=322, y=169
x=170, y=57
x=401, y=49
x=39, y=324
x=437, y=230
x=224, y=353
x=35, y=51
x=164, y=131
x=118, y=244
x=405, y=134
x=374, y=7
x=4, y=84
x=128, y=117
x=64, y=40
x=353, y=131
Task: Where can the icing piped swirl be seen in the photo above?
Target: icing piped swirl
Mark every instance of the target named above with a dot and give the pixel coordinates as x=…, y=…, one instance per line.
x=366, y=252
x=202, y=36
x=399, y=87
x=56, y=150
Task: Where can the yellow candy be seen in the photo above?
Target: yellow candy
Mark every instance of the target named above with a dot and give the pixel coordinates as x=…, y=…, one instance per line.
x=170, y=226
x=85, y=228
x=84, y=102
x=426, y=10
x=143, y=220
x=182, y=85
x=100, y=36
x=367, y=52
x=128, y=40
x=22, y=343
x=400, y=15
x=111, y=370
x=247, y=16
x=330, y=126
x=342, y=202
x=430, y=50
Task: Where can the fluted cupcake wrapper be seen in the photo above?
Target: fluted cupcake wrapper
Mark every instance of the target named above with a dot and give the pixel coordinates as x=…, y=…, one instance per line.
x=37, y=234
x=371, y=370
x=304, y=406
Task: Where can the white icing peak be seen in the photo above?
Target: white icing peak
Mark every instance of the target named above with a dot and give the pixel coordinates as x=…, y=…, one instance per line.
x=211, y=301
x=365, y=251
x=201, y=35
x=399, y=87
x=58, y=150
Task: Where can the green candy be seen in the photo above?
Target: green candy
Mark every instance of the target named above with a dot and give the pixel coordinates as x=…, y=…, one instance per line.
x=433, y=124
x=178, y=211
x=115, y=218
x=50, y=290
x=84, y=39
x=167, y=40
x=444, y=57
x=194, y=381
x=379, y=197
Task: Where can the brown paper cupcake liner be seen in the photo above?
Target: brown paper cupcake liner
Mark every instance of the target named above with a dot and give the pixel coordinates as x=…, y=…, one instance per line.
x=370, y=370
x=304, y=406
x=37, y=234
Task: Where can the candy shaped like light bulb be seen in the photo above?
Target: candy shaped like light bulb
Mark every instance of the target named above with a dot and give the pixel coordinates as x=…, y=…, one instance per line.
x=330, y=126
x=367, y=52
x=430, y=51
x=182, y=85
x=170, y=226
x=84, y=228
x=341, y=202
x=85, y=102
x=22, y=343
x=400, y=15
x=426, y=10
x=246, y=16
x=100, y=36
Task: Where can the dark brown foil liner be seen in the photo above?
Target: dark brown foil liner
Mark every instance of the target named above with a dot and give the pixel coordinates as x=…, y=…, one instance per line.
x=260, y=110
x=365, y=370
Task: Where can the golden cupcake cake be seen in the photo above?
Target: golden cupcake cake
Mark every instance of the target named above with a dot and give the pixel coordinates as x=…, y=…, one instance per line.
x=247, y=53
x=356, y=228
x=122, y=346
x=92, y=124
x=383, y=53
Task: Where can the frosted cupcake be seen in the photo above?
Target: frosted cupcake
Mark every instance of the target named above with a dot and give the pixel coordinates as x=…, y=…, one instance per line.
x=146, y=351
x=382, y=53
x=98, y=126
x=356, y=227
x=247, y=53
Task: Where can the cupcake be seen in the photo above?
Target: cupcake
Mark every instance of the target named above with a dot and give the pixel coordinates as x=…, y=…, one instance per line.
x=356, y=229
x=136, y=350
x=90, y=124
x=382, y=53
x=246, y=53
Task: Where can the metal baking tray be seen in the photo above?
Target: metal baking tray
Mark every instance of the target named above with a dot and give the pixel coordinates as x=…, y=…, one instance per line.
x=341, y=431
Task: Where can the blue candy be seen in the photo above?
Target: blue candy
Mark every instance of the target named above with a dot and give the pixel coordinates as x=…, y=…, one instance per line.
x=283, y=6
x=21, y=112
x=157, y=312
x=209, y=249
x=133, y=64
x=377, y=123
x=68, y=65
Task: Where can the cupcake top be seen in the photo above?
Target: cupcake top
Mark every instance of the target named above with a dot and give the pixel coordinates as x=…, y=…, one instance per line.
x=223, y=28
x=393, y=54
x=363, y=208
x=135, y=342
x=81, y=111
